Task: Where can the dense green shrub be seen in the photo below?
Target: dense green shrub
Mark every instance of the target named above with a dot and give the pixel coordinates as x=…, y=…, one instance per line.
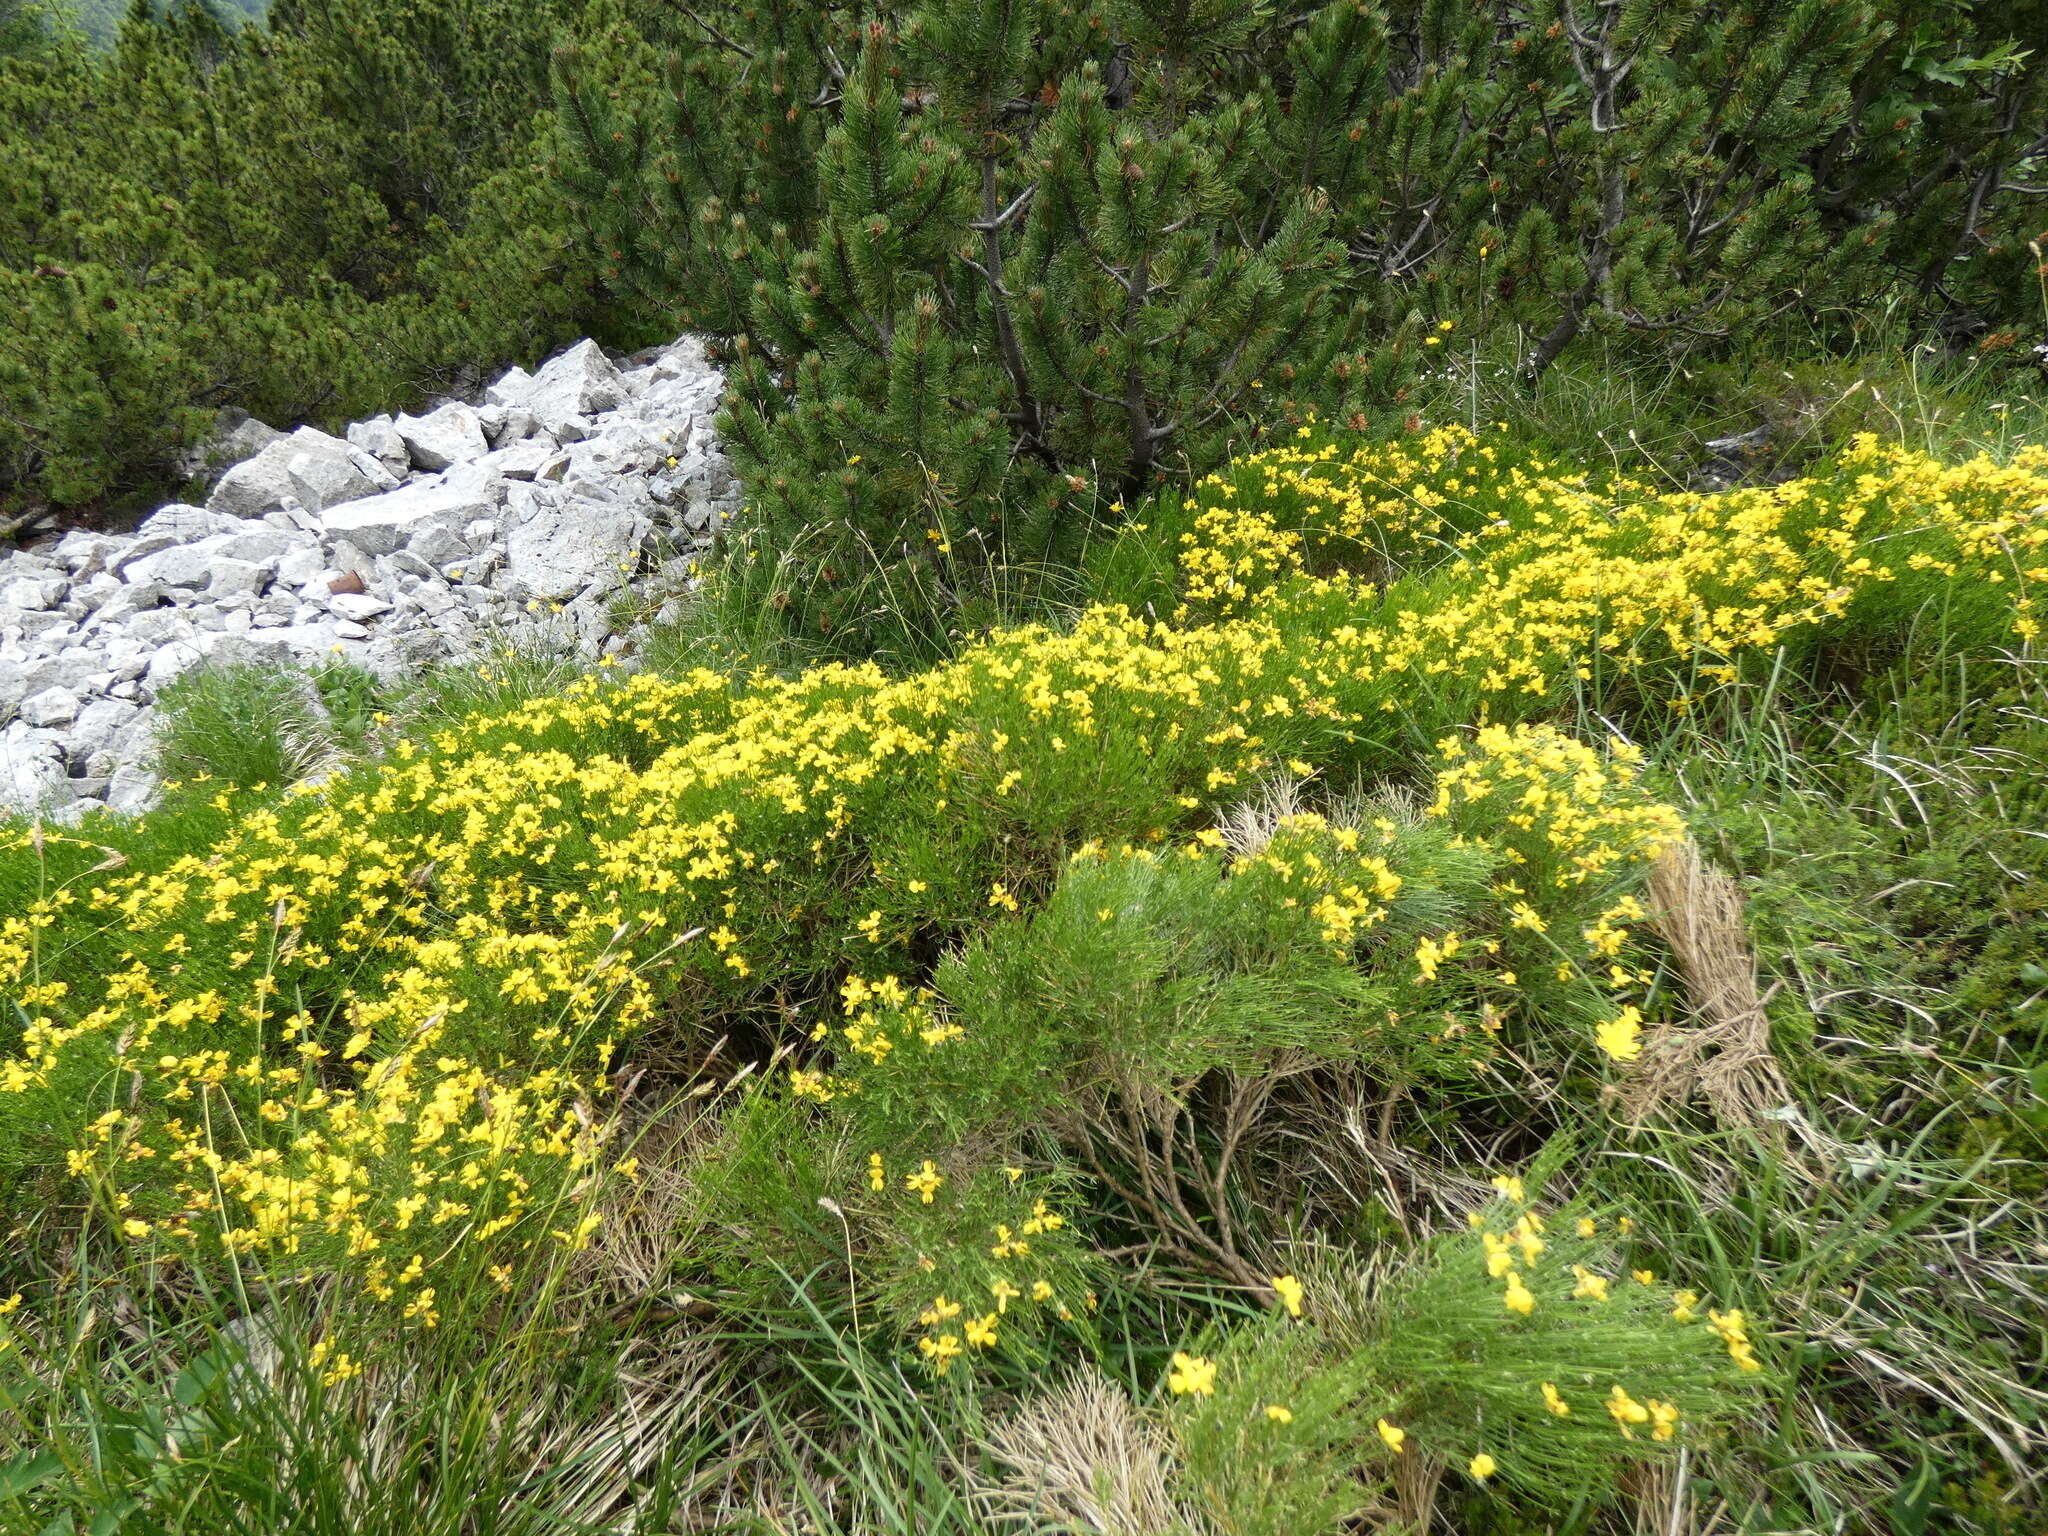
x=296, y=220
x=989, y=271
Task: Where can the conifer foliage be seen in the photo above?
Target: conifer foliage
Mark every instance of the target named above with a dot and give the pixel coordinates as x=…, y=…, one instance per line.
x=322, y=218
x=1037, y=256
x=990, y=271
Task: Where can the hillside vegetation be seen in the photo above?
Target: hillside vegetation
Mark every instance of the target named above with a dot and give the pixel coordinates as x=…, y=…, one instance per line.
x=1292, y=1052
x=1351, y=839
x=1118, y=241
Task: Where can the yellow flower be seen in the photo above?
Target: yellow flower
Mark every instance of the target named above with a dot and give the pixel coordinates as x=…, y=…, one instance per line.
x=1431, y=953
x=981, y=1331
x=1643, y=1276
x=1554, y=1400
x=877, y=1179
x=135, y=1228
x=1004, y=1293
x=1279, y=1414
x=925, y=1182
x=940, y=1351
x=1483, y=1466
x=1587, y=1226
x=1518, y=1298
x=1683, y=1303
x=1041, y=1291
x=340, y=1369
x=1590, y=1286
x=1191, y=1373
x=1626, y=1411
x=1288, y=1289
x=1663, y=1420
x=1395, y=1436
x=1510, y=1185
x=1621, y=1036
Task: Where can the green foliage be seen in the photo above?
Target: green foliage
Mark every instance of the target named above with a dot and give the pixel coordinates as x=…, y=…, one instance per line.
x=990, y=272
x=1256, y=1474
x=257, y=727
x=1078, y=963
x=286, y=219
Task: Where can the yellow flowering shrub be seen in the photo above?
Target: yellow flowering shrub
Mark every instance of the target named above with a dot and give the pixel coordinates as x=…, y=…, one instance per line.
x=374, y=1023
x=1546, y=1343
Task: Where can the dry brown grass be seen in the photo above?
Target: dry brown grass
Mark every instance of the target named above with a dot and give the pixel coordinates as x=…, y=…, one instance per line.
x=1081, y=1458
x=1726, y=1057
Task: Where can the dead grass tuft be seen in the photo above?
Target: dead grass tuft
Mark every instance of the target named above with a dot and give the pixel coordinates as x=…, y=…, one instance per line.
x=1726, y=1058
x=1081, y=1458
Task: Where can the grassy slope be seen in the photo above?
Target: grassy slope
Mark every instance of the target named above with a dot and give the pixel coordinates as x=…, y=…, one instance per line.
x=1873, y=782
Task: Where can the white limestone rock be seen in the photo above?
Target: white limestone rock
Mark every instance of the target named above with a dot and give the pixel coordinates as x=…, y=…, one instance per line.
x=576, y=383
x=322, y=480
x=380, y=524
x=379, y=438
x=447, y=436
x=32, y=773
x=265, y=483
x=51, y=707
x=561, y=545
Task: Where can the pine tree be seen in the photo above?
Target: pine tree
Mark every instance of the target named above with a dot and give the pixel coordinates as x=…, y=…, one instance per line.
x=312, y=221
x=1041, y=260
x=1682, y=200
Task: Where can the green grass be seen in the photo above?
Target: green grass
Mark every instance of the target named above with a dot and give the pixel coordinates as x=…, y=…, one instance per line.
x=723, y=1359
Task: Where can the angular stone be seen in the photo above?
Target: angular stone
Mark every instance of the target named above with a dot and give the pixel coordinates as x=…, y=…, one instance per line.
x=448, y=436
x=132, y=789
x=182, y=565
x=167, y=663
x=511, y=389
x=32, y=771
x=437, y=545
x=375, y=470
x=99, y=725
x=296, y=567
x=523, y=459
x=34, y=594
x=380, y=524
x=321, y=480
x=51, y=707
x=183, y=524
x=378, y=438
x=304, y=640
x=84, y=553
x=357, y=606
x=260, y=544
x=231, y=577
x=562, y=545
x=274, y=478
x=578, y=382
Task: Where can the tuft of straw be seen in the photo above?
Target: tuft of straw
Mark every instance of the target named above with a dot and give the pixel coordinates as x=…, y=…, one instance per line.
x=1080, y=1458
x=1726, y=1057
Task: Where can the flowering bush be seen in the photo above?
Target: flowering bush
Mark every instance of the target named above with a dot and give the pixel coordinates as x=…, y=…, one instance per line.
x=1030, y=986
